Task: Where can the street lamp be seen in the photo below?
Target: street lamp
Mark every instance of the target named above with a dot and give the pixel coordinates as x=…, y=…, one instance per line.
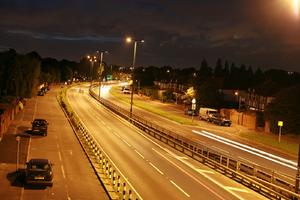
x=101, y=69
x=193, y=108
x=236, y=93
x=129, y=40
x=92, y=59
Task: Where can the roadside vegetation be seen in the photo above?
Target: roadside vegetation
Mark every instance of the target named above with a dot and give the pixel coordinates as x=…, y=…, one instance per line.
x=271, y=140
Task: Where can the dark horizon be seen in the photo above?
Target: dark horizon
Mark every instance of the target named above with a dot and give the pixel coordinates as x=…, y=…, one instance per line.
x=260, y=33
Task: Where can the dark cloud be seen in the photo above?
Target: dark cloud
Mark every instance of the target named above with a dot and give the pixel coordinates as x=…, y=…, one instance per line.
x=261, y=33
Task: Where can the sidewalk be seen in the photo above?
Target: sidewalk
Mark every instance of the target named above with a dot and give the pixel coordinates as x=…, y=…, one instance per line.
x=8, y=153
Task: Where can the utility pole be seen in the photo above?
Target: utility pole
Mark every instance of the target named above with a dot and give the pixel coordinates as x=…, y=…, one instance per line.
x=298, y=173
x=18, y=138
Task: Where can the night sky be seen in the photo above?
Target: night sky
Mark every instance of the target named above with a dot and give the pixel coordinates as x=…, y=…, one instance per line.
x=178, y=33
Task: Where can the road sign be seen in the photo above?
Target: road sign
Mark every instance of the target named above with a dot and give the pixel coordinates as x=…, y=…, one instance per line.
x=193, y=106
x=280, y=123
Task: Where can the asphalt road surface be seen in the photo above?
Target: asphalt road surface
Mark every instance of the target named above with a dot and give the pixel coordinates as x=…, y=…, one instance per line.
x=74, y=177
x=155, y=170
x=209, y=135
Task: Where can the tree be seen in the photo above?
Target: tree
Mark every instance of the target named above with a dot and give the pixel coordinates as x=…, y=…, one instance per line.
x=285, y=107
x=208, y=95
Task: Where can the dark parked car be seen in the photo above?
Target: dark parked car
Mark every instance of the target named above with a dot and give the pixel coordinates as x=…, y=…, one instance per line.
x=41, y=93
x=189, y=111
x=219, y=119
x=39, y=172
x=40, y=127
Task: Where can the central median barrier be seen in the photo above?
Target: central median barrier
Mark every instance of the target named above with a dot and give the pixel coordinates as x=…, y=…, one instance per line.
x=265, y=181
x=114, y=182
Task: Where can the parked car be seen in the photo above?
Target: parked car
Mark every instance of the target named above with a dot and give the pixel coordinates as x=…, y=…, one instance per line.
x=189, y=111
x=126, y=91
x=219, y=119
x=39, y=172
x=40, y=127
x=41, y=93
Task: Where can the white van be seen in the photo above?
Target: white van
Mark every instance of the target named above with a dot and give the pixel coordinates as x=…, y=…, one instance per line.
x=206, y=113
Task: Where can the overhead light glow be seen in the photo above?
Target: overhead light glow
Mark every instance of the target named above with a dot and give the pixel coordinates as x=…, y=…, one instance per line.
x=296, y=7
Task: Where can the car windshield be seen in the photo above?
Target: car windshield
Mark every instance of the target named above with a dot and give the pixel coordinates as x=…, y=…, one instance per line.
x=39, y=122
x=40, y=166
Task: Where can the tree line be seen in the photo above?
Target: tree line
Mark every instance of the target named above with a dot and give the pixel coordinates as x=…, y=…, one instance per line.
x=21, y=74
x=207, y=81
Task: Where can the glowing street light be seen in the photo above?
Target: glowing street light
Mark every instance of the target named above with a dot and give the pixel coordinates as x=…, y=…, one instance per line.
x=296, y=7
x=129, y=40
x=101, y=69
x=92, y=59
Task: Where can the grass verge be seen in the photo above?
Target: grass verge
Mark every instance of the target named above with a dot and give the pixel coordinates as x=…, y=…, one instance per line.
x=115, y=91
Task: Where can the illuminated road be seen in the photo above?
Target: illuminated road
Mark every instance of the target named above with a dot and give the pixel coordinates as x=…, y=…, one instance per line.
x=154, y=170
x=211, y=136
x=74, y=177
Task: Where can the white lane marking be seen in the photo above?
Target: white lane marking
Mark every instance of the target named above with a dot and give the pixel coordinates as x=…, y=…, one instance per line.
x=236, y=189
x=109, y=128
x=174, y=155
x=188, y=174
x=117, y=134
x=156, y=168
x=186, y=194
x=139, y=154
x=139, y=196
x=210, y=178
x=69, y=198
x=71, y=152
x=249, y=150
x=126, y=143
x=59, y=155
x=63, y=171
x=204, y=171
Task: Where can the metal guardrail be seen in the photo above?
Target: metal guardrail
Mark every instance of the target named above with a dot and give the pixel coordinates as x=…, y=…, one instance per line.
x=265, y=181
x=115, y=183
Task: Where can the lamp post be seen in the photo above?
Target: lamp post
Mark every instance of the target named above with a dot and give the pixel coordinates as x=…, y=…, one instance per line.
x=18, y=138
x=101, y=70
x=193, y=108
x=298, y=172
x=129, y=40
x=92, y=59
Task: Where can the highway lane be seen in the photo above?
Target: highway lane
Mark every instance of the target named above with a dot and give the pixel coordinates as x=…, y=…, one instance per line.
x=202, y=136
x=74, y=177
x=154, y=170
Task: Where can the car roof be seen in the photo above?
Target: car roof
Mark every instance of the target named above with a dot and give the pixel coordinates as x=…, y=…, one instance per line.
x=39, y=161
x=39, y=120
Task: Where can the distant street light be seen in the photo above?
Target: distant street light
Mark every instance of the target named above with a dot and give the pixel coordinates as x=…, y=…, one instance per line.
x=193, y=108
x=236, y=93
x=92, y=59
x=129, y=40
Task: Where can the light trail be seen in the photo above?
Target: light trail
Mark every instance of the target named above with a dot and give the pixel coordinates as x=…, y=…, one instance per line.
x=257, y=152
